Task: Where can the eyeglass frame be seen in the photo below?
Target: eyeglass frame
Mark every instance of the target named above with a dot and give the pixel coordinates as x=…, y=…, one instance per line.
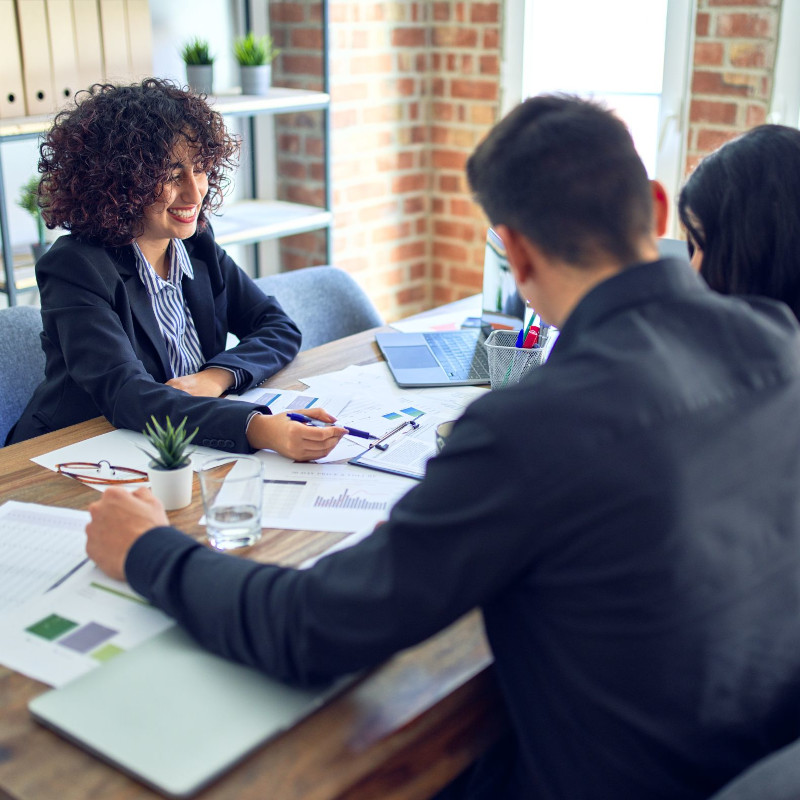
x=91, y=480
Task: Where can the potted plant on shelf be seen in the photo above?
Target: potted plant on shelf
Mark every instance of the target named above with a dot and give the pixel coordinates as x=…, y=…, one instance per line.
x=170, y=469
x=255, y=55
x=29, y=200
x=196, y=54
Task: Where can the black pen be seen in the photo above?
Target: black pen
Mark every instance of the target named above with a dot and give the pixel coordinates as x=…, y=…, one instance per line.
x=318, y=423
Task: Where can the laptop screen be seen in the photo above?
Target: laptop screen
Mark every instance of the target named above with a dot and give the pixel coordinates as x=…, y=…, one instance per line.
x=502, y=305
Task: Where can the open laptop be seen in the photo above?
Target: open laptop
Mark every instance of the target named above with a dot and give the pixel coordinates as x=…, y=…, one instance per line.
x=458, y=358
x=173, y=715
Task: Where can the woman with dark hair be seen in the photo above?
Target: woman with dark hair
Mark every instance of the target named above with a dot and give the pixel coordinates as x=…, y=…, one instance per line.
x=138, y=299
x=741, y=211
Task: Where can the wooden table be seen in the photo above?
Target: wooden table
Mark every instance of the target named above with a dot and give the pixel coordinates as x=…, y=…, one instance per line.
x=403, y=732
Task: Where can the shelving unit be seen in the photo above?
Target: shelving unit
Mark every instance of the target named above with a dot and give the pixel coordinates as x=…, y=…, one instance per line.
x=241, y=222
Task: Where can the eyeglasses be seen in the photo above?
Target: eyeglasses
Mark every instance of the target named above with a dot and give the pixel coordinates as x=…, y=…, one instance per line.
x=102, y=473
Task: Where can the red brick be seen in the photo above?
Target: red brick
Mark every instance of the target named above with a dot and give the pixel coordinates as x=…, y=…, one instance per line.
x=702, y=24
x=388, y=233
x=454, y=230
x=709, y=140
x=712, y=3
x=755, y=115
x=743, y=25
x=727, y=83
x=287, y=12
x=713, y=112
x=305, y=64
x=455, y=37
x=441, y=12
x=307, y=38
x=489, y=65
x=484, y=12
x=471, y=278
x=491, y=39
x=449, y=251
x=411, y=294
x=709, y=54
x=414, y=205
x=449, y=159
x=474, y=89
x=748, y=54
x=408, y=37
x=415, y=182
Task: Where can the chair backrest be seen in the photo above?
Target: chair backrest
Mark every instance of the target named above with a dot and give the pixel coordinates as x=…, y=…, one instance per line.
x=325, y=302
x=21, y=362
x=774, y=777
x=673, y=248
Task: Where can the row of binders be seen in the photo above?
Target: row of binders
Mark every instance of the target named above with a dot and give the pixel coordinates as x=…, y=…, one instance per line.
x=50, y=49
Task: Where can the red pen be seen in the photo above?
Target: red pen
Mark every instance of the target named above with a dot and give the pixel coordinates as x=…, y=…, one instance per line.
x=532, y=338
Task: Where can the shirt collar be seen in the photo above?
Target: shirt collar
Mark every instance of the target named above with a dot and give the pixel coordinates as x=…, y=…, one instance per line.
x=633, y=286
x=180, y=266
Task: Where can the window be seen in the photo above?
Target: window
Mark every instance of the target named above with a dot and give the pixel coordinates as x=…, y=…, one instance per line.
x=633, y=55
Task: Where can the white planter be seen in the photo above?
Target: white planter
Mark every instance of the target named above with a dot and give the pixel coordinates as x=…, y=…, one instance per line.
x=256, y=80
x=173, y=487
x=200, y=78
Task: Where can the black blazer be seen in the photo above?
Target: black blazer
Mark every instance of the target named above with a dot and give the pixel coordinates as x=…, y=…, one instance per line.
x=105, y=354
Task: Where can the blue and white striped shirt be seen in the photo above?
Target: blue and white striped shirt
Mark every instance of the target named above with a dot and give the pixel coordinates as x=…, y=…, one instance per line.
x=169, y=306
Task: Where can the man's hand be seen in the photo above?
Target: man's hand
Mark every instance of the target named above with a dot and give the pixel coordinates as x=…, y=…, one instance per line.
x=294, y=439
x=119, y=518
x=211, y=382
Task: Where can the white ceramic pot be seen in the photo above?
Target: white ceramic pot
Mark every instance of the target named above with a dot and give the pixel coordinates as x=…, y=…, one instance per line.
x=173, y=487
x=200, y=78
x=256, y=80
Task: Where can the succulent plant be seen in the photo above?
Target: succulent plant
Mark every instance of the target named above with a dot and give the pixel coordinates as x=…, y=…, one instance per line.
x=171, y=443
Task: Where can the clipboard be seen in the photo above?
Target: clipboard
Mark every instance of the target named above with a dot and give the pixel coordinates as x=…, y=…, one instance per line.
x=404, y=450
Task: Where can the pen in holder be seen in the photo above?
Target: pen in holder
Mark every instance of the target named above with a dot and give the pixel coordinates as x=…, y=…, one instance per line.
x=508, y=363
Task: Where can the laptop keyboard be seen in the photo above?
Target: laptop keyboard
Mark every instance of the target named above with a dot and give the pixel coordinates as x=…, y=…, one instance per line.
x=462, y=356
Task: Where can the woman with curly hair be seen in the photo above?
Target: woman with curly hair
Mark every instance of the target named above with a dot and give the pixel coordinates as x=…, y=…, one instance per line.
x=740, y=211
x=138, y=299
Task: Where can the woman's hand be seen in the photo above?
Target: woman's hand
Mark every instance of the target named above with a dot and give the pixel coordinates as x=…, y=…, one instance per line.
x=292, y=439
x=211, y=382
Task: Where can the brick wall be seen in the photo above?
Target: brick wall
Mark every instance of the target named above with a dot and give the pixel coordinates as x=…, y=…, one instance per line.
x=415, y=85
x=734, y=58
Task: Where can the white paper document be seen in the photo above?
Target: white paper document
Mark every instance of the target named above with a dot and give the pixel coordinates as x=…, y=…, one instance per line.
x=77, y=626
x=120, y=448
x=39, y=547
x=326, y=497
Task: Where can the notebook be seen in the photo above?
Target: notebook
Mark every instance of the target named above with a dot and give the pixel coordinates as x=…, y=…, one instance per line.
x=458, y=358
x=174, y=715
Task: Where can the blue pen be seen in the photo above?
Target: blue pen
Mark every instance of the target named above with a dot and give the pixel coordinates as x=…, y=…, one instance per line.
x=320, y=424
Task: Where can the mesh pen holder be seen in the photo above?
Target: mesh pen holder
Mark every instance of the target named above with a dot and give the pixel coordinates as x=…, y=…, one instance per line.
x=507, y=363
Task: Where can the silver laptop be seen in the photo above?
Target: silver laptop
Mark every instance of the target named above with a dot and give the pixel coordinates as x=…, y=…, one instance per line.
x=458, y=358
x=172, y=714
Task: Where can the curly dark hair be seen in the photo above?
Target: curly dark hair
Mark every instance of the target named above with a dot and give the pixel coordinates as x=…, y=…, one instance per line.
x=107, y=158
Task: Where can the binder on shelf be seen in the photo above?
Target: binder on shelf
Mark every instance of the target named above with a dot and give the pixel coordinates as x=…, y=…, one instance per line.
x=12, y=96
x=88, y=44
x=140, y=38
x=114, y=34
x=63, y=52
x=37, y=73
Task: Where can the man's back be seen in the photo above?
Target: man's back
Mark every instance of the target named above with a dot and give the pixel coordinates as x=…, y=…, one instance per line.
x=650, y=646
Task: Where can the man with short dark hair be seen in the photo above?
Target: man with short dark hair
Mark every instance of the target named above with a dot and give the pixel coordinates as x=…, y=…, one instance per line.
x=627, y=516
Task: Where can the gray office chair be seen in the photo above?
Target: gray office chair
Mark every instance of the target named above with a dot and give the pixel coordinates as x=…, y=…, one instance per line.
x=325, y=302
x=21, y=362
x=673, y=248
x=774, y=777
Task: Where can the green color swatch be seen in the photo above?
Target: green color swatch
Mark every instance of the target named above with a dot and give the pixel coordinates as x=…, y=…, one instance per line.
x=51, y=627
